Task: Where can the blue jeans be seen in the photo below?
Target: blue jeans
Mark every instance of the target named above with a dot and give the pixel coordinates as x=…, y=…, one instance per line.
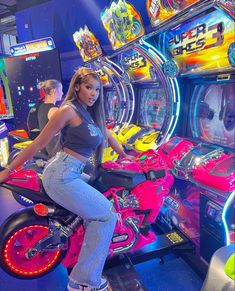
x=63, y=182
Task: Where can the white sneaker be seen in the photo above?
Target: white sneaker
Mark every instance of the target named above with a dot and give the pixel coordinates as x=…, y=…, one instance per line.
x=75, y=287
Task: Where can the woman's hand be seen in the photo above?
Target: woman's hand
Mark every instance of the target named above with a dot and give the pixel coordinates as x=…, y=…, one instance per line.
x=4, y=175
x=128, y=157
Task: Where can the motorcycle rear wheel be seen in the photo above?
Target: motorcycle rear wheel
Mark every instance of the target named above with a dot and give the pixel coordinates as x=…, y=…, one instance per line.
x=14, y=245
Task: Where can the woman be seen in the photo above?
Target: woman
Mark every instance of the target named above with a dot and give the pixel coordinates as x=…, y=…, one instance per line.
x=81, y=122
x=51, y=91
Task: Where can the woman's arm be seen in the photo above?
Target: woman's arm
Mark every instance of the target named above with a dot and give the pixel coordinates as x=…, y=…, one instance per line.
x=116, y=146
x=55, y=124
x=51, y=112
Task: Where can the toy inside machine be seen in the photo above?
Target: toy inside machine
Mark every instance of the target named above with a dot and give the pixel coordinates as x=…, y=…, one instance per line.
x=201, y=202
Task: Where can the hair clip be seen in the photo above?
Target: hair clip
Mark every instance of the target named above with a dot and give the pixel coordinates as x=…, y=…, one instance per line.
x=42, y=94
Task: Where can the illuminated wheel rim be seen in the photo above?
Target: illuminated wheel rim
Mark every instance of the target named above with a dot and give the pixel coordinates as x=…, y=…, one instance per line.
x=17, y=246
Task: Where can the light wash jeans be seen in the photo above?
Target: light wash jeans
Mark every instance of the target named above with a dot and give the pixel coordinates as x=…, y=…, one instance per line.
x=63, y=182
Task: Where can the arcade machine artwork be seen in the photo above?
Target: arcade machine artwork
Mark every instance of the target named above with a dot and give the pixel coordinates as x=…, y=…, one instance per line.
x=201, y=207
x=87, y=44
x=122, y=22
x=161, y=10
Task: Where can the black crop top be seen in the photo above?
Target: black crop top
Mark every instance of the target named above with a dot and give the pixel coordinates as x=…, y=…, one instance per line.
x=84, y=138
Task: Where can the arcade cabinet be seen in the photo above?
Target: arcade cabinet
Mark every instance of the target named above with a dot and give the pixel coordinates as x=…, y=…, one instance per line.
x=200, y=45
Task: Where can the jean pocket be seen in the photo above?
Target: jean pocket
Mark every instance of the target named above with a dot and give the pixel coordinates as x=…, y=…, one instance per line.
x=69, y=173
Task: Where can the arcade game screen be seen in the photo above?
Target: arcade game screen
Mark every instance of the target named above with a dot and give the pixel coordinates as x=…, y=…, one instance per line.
x=111, y=105
x=24, y=73
x=151, y=107
x=212, y=114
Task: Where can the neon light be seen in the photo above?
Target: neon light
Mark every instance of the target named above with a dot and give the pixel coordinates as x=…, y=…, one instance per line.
x=3, y=128
x=39, y=45
x=174, y=87
x=133, y=104
x=26, y=200
x=16, y=262
x=227, y=204
x=123, y=90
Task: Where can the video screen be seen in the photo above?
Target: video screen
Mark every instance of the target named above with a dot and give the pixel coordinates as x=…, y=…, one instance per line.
x=24, y=73
x=212, y=114
x=151, y=107
x=111, y=105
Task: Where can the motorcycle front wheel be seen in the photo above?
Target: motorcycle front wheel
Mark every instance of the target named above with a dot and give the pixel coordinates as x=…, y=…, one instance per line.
x=14, y=245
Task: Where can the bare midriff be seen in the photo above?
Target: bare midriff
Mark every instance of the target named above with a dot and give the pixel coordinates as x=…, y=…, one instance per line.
x=75, y=155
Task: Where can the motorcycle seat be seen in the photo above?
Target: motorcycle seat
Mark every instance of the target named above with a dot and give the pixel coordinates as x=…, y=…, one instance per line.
x=117, y=177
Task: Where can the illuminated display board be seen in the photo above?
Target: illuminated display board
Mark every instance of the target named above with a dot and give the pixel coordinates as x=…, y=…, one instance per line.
x=161, y=10
x=104, y=77
x=137, y=66
x=39, y=45
x=88, y=45
x=122, y=22
x=202, y=45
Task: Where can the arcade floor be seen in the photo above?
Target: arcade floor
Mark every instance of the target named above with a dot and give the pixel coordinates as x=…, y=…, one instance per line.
x=173, y=275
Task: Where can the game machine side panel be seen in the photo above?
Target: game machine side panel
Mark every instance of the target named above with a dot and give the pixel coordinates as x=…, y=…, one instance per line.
x=6, y=114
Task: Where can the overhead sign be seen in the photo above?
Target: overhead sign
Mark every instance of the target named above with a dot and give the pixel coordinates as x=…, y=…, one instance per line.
x=203, y=44
x=39, y=45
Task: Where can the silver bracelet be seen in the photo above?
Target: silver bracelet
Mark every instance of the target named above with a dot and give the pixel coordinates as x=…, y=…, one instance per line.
x=10, y=170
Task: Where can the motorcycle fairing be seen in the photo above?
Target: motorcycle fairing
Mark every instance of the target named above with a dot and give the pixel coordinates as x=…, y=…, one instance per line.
x=27, y=179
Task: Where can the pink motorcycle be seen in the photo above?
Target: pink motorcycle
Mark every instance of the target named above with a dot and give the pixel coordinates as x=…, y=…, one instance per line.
x=36, y=239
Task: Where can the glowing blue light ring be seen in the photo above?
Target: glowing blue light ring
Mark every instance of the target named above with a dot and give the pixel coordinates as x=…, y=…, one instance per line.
x=227, y=204
x=175, y=90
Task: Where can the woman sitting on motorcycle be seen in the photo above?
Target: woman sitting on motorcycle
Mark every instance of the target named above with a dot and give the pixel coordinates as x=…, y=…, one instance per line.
x=81, y=122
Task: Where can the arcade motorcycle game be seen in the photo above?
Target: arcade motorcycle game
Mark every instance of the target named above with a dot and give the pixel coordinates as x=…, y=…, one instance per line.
x=34, y=240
